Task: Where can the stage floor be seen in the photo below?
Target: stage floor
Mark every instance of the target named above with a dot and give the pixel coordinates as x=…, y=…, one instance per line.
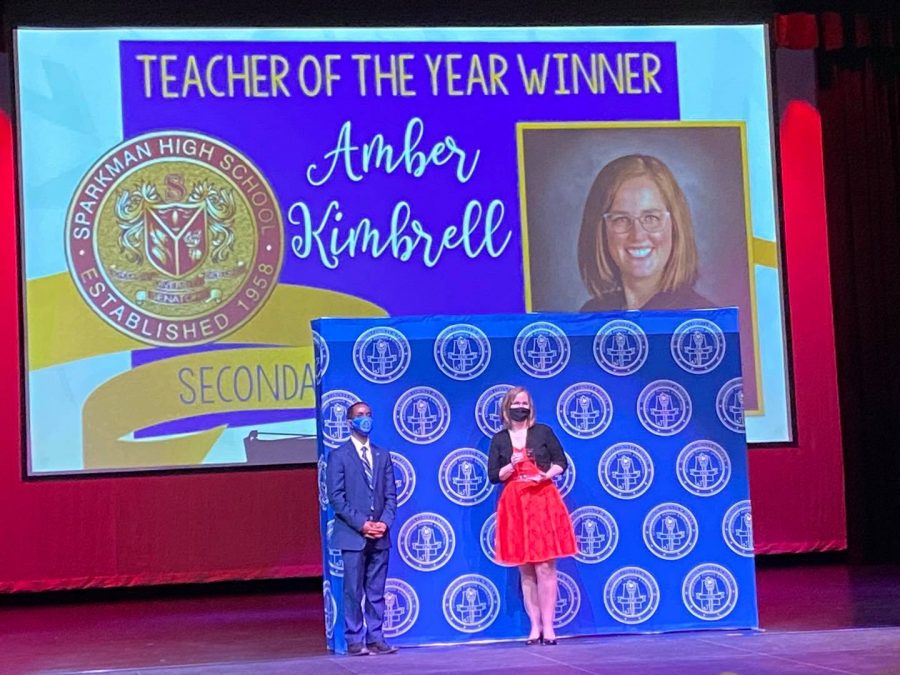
x=815, y=618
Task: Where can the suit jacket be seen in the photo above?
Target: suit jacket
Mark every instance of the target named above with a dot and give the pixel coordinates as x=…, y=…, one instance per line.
x=541, y=441
x=352, y=500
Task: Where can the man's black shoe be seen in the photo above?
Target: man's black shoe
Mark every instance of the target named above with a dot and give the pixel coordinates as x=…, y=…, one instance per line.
x=356, y=650
x=381, y=648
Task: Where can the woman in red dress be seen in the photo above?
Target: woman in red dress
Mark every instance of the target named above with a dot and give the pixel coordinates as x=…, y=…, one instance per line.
x=533, y=525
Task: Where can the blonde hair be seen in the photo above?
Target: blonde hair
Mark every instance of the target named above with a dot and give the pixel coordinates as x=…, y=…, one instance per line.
x=507, y=402
x=598, y=271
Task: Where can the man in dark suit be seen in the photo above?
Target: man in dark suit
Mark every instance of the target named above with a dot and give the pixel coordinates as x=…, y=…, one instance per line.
x=362, y=492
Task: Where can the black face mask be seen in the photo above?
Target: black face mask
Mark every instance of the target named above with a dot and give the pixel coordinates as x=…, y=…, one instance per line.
x=519, y=414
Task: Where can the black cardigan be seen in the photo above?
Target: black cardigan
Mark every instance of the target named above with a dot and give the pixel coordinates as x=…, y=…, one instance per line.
x=541, y=440
x=682, y=298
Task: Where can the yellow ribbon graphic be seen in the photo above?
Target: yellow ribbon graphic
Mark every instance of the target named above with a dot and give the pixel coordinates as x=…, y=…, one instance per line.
x=62, y=328
x=229, y=380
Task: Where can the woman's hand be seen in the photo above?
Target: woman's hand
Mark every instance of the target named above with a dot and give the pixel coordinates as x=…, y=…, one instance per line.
x=553, y=471
x=517, y=457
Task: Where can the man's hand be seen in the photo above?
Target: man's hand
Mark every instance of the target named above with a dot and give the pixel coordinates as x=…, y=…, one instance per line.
x=374, y=530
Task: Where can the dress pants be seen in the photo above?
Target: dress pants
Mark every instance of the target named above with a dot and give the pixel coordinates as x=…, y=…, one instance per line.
x=364, y=575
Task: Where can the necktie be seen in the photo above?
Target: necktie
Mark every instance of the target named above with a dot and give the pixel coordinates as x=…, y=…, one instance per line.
x=367, y=466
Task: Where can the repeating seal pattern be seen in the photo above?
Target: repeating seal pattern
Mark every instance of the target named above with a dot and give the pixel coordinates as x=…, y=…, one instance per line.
x=584, y=410
x=710, y=592
x=730, y=405
x=698, y=346
x=426, y=542
x=322, y=355
x=569, y=601
x=330, y=609
x=542, y=349
x=566, y=480
x=321, y=468
x=703, y=468
x=596, y=534
x=422, y=415
x=404, y=477
x=631, y=595
x=488, y=539
x=333, y=413
x=488, y=416
x=335, y=559
x=471, y=603
x=401, y=607
x=625, y=470
x=737, y=528
x=462, y=351
x=670, y=531
x=664, y=408
x=463, y=478
x=381, y=354
x=620, y=347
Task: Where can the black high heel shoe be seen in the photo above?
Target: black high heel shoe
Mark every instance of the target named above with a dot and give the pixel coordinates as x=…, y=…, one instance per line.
x=534, y=641
x=549, y=643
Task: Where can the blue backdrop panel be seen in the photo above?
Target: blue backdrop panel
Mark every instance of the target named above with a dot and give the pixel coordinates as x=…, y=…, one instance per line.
x=648, y=407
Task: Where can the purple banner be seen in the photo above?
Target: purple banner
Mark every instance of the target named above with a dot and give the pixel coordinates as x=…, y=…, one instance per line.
x=395, y=164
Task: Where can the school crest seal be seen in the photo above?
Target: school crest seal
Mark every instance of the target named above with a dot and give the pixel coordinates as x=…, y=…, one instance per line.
x=174, y=238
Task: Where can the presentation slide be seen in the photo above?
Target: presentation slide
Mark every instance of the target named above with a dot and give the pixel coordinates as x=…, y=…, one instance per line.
x=192, y=198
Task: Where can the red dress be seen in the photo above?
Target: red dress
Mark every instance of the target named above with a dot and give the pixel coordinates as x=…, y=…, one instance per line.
x=533, y=524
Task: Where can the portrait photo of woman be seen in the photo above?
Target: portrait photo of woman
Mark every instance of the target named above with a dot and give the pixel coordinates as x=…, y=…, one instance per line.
x=636, y=247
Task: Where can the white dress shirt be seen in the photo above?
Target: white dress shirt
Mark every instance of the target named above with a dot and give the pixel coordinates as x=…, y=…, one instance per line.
x=358, y=444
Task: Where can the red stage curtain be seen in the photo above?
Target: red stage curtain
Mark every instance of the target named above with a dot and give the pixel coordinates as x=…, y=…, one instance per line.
x=858, y=95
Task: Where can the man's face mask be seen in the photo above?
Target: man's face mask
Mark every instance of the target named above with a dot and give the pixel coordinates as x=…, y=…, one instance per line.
x=362, y=424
